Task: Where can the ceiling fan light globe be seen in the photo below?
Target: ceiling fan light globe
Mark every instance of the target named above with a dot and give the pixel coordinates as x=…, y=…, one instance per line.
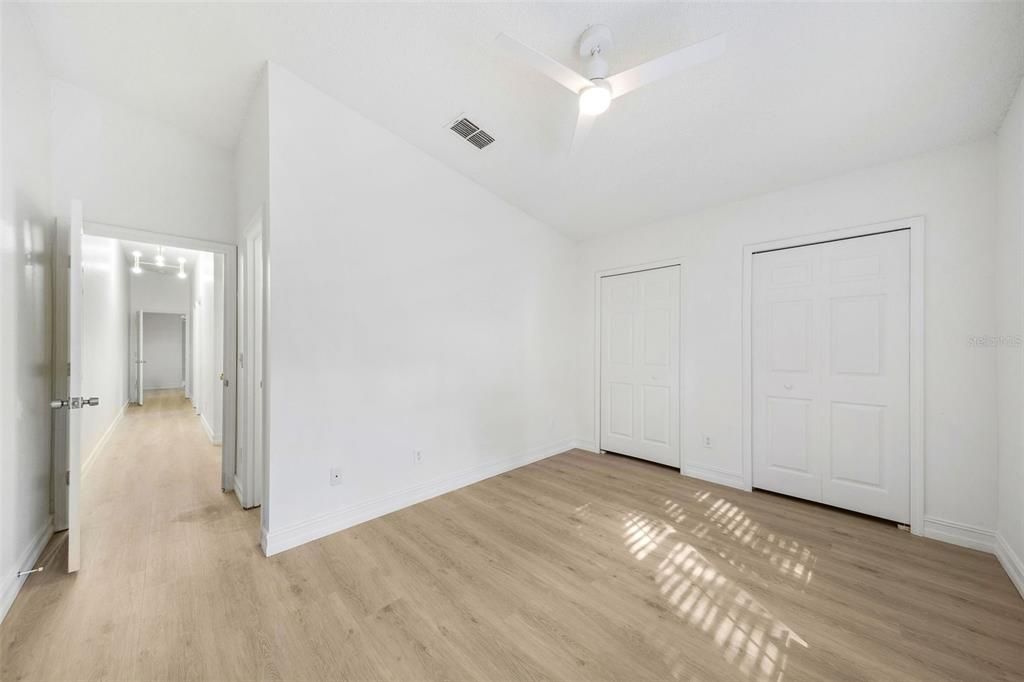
x=595, y=99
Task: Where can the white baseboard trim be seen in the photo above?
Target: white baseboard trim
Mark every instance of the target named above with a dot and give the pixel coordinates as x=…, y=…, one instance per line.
x=1011, y=562
x=961, y=534
x=10, y=584
x=215, y=438
x=714, y=475
x=588, y=445
x=332, y=522
x=102, y=442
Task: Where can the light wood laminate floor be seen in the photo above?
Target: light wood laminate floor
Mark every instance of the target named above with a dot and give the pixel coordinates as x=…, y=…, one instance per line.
x=577, y=567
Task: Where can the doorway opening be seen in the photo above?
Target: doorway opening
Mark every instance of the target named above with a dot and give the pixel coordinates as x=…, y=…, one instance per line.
x=146, y=324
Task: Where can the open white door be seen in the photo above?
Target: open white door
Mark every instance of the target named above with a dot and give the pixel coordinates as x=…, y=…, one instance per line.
x=140, y=361
x=68, y=428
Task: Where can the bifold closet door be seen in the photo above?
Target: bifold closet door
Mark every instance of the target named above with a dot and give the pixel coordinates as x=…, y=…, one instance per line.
x=640, y=364
x=831, y=373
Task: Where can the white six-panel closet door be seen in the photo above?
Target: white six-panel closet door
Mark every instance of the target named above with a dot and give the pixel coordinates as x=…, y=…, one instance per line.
x=831, y=387
x=640, y=364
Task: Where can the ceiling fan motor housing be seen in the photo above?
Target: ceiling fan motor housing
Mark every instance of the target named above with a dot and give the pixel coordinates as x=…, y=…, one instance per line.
x=595, y=43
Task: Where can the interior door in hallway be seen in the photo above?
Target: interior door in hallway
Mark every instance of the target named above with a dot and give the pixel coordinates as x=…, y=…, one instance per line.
x=831, y=373
x=640, y=364
x=68, y=400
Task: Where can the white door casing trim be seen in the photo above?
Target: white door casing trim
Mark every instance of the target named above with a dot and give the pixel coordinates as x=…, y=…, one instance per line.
x=624, y=270
x=251, y=469
x=230, y=253
x=916, y=226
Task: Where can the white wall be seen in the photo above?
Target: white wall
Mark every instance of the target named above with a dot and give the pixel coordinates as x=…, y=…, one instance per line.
x=135, y=172
x=954, y=190
x=207, y=342
x=1010, y=296
x=25, y=294
x=162, y=349
x=155, y=292
x=104, y=338
x=410, y=309
x=251, y=161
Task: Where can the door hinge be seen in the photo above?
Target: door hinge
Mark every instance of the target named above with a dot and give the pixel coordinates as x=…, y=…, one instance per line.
x=69, y=262
x=69, y=369
x=67, y=477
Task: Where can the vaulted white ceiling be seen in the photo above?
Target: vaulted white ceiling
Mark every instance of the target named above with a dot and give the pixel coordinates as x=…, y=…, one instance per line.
x=805, y=90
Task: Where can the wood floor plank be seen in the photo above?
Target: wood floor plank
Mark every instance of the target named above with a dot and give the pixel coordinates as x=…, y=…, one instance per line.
x=579, y=566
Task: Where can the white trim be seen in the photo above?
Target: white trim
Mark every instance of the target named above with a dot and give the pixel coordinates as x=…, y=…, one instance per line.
x=1011, y=562
x=588, y=445
x=624, y=270
x=248, y=468
x=240, y=491
x=715, y=475
x=214, y=437
x=916, y=225
x=961, y=534
x=11, y=584
x=332, y=522
x=101, y=443
x=230, y=315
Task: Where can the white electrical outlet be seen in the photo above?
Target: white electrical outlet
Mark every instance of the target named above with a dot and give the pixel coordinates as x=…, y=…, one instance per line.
x=335, y=476
x=707, y=441
x=417, y=456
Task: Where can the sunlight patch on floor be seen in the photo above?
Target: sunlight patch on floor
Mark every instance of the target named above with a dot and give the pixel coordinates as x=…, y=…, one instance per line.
x=748, y=635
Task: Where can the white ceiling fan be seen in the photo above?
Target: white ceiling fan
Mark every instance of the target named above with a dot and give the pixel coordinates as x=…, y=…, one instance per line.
x=597, y=89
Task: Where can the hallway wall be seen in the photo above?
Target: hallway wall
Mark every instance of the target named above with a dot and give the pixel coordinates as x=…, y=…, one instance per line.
x=104, y=339
x=207, y=308
x=25, y=293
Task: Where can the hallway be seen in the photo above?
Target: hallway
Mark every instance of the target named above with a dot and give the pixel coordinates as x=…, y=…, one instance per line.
x=157, y=532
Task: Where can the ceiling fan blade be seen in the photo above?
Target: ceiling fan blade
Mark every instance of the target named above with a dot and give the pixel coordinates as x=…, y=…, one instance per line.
x=579, y=135
x=667, y=65
x=557, y=72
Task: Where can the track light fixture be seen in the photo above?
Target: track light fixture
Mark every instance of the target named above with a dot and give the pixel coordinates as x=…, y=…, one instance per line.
x=159, y=261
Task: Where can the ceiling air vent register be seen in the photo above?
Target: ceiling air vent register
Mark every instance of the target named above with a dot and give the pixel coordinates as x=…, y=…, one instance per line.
x=471, y=132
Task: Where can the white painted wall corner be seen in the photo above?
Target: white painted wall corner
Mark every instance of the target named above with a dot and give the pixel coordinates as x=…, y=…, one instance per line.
x=1012, y=563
